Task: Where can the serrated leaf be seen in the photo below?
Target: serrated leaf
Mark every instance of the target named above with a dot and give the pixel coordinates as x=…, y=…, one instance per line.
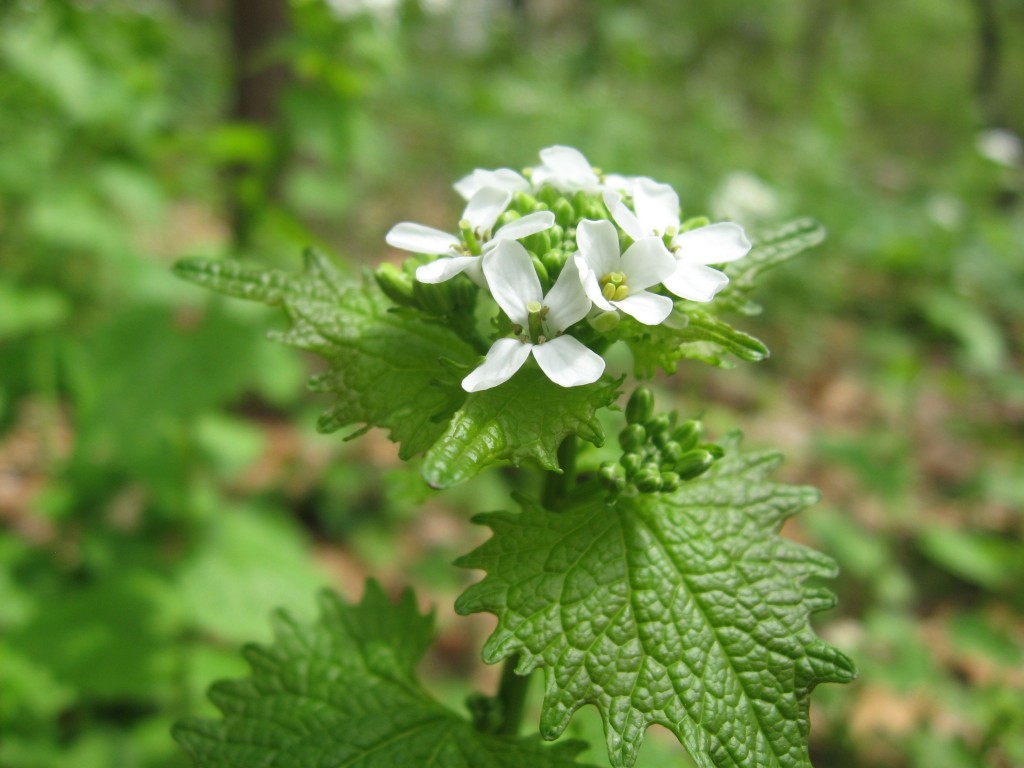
x=343, y=692
x=683, y=609
x=527, y=417
x=689, y=334
x=384, y=365
x=769, y=250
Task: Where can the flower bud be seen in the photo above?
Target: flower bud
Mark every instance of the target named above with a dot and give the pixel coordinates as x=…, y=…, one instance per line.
x=671, y=452
x=396, y=284
x=433, y=298
x=640, y=407
x=669, y=481
x=694, y=463
x=554, y=260
x=633, y=437
x=688, y=434
x=648, y=481
x=604, y=322
x=613, y=476
x=630, y=463
x=538, y=242
x=565, y=214
x=508, y=216
x=542, y=273
x=660, y=424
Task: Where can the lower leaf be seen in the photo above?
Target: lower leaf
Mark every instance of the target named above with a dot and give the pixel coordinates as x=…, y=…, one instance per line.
x=683, y=609
x=343, y=692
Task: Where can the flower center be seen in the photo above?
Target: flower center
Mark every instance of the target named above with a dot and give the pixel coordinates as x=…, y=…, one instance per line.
x=613, y=286
x=536, y=312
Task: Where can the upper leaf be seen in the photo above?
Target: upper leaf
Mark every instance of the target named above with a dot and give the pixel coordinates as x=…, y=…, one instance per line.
x=385, y=368
x=683, y=609
x=525, y=418
x=344, y=693
x=770, y=250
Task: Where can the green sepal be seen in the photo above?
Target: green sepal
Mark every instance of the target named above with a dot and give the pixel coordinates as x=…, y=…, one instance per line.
x=527, y=417
x=343, y=692
x=685, y=609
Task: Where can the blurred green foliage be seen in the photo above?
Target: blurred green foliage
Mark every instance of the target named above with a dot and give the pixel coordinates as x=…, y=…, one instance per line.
x=161, y=488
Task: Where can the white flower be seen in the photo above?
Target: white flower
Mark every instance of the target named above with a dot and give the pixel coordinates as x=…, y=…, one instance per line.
x=483, y=209
x=565, y=169
x=504, y=179
x=539, y=322
x=625, y=185
x=657, y=213
x=615, y=280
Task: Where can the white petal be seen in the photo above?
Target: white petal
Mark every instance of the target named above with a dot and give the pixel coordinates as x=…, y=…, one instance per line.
x=512, y=279
x=445, y=269
x=657, y=206
x=502, y=178
x=624, y=217
x=566, y=169
x=621, y=184
x=713, y=244
x=421, y=239
x=568, y=363
x=527, y=225
x=648, y=308
x=598, y=241
x=647, y=262
x=590, y=285
x=695, y=282
x=567, y=302
x=504, y=358
x=485, y=207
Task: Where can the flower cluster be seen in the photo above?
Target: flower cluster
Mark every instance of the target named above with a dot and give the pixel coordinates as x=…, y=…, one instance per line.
x=560, y=244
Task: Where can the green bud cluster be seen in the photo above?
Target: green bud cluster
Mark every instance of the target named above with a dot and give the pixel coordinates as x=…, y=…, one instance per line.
x=659, y=454
x=452, y=297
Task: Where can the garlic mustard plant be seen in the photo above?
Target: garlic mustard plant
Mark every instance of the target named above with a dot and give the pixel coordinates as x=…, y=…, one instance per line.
x=645, y=578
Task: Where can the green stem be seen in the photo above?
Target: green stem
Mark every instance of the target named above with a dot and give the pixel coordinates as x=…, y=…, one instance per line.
x=512, y=689
x=512, y=696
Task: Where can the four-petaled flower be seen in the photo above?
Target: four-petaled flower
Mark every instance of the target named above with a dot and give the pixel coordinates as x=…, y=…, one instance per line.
x=657, y=214
x=616, y=280
x=482, y=211
x=538, y=321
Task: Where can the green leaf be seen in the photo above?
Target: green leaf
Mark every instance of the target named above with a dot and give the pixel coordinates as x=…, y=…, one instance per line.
x=769, y=250
x=343, y=692
x=384, y=365
x=683, y=609
x=688, y=334
x=528, y=417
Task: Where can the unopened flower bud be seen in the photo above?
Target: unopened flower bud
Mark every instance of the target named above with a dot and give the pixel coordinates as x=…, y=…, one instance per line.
x=433, y=298
x=694, y=463
x=671, y=452
x=648, y=481
x=565, y=214
x=630, y=463
x=605, y=321
x=688, y=434
x=669, y=481
x=542, y=273
x=613, y=476
x=396, y=284
x=640, y=407
x=633, y=437
x=553, y=261
x=660, y=424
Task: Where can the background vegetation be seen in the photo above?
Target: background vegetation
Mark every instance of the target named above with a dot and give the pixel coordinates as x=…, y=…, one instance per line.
x=162, y=487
